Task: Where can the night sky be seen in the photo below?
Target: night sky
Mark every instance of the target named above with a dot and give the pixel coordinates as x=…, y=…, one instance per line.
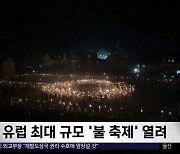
x=89, y=25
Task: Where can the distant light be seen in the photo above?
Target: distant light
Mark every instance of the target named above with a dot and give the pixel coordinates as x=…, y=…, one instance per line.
x=143, y=66
x=102, y=54
x=172, y=61
x=162, y=111
x=178, y=72
x=135, y=70
x=141, y=110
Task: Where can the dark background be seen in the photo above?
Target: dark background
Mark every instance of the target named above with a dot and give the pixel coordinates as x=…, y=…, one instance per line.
x=144, y=27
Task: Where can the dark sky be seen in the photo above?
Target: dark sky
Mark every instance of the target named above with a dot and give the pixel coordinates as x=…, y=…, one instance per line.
x=88, y=25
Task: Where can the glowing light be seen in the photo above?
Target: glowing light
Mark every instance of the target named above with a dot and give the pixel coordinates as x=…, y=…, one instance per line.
x=136, y=70
x=102, y=54
x=178, y=72
x=89, y=87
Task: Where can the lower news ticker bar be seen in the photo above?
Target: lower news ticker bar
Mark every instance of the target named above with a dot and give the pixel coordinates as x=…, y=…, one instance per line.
x=81, y=146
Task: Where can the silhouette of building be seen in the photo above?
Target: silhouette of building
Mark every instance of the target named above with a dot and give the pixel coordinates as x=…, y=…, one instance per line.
x=8, y=67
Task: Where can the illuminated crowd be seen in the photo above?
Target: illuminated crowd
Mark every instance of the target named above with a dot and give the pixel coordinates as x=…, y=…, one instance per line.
x=96, y=89
x=93, y=95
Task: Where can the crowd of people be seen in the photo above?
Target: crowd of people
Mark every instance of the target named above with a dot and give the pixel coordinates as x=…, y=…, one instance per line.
x=91, y=88
x=98, y=102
